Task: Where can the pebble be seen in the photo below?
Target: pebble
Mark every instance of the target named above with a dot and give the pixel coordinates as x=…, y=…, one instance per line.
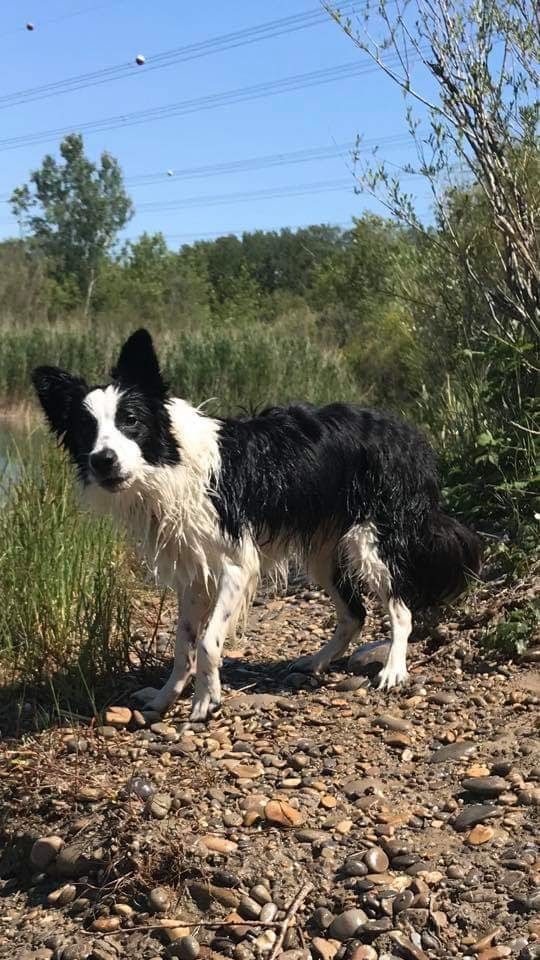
x=63, y=895
x=494, y=952
x=260, y=893
x=105, y=924
x=118, y=716
x=160, y=805
x=264, y=942
x=452, y=751
x=480, y=834
x=187, y=948
x=474, y=813
x=325, y=949
x=218, y=844
x=388, y=722
x=407, y=949
x=165, y=731
x=268, y=913
x=354, y=868
x=376, y=860
x=363, y=952
x=322, y=918
x=487, y=786
x=369, y=657
x=403, y=901
x=45, y=850
x=351, y=683
x=346, y=924
x=249, y=909
x=158, y=900
x=71, y=862
x=281, y=812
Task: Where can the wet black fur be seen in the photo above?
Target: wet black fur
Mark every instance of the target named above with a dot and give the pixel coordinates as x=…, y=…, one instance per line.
x=291, y=473
x=141, y=413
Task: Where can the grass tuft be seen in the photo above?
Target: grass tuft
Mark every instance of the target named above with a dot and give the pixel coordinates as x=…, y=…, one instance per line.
x=65, y=582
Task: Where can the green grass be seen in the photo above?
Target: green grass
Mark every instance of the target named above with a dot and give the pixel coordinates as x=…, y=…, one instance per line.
x=66, y=587
x=240, y=369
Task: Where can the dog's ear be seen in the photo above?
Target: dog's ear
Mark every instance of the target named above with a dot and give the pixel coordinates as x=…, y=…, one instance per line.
x=57, y=392
x=138, y=365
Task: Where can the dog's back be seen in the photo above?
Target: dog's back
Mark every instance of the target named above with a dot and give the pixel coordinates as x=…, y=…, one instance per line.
x=303, y=474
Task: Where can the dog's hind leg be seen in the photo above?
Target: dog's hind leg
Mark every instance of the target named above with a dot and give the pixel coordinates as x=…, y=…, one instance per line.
x=395, y=670
x=362, y=558
x=350, y=612
x=193, y=609
x=234, y=585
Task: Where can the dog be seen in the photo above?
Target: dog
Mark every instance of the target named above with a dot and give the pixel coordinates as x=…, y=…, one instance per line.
x=215, y=503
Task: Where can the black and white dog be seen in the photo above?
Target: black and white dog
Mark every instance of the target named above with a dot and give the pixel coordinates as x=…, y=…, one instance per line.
x=351, y=492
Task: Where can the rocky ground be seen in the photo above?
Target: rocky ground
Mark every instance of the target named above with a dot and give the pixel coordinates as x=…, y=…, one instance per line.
x=315, y=818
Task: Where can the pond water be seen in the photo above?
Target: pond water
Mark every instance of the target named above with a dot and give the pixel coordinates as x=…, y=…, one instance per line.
x=17, y=440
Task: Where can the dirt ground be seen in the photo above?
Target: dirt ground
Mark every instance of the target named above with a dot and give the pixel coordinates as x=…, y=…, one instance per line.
x=316, y=817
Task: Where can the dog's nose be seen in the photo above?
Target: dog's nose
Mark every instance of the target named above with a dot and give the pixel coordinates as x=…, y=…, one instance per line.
x=104, y=462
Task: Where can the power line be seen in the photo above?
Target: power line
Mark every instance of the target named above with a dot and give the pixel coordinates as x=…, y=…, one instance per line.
x=220, y=199
x=294, y=157
x=253, y=164
x=192, y=51
x=241, y=230
x=63, y=16
x=184, y=107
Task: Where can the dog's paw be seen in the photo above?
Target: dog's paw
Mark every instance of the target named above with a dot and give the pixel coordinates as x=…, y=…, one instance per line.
x=308, y=664
x=152, y=699
x=203, y=708
x=392, y=676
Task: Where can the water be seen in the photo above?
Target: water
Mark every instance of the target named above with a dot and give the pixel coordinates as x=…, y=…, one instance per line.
x=17, y=440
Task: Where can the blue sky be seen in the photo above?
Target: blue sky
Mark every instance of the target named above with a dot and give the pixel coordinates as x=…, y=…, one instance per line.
x=73, y=37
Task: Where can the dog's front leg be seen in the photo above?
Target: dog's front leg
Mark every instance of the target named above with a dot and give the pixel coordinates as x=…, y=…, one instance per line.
x=193, y=606
x=232, y=589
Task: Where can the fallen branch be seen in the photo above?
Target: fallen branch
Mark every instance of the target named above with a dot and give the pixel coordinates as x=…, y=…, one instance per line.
x=289, y=919
x=171, y=924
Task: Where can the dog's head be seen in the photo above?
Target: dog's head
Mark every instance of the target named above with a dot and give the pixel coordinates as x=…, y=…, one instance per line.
x=114, y=434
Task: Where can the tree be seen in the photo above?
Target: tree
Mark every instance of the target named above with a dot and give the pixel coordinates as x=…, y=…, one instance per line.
x=483, y=57
x=74, y=210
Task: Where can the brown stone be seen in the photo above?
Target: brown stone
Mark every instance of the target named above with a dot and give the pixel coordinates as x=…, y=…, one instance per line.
x=105, y=924
x=325, y=949
x=218, y=844
x=118, y=716
x=480, y=834
x=281, y=812
x=487, y=940
x=494, y=952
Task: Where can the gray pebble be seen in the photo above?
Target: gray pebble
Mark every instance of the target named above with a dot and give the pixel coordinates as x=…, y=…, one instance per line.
x=249, y=909
x=158, y=900
x=346, y=924
x=268, y=913
x=487, y=786
x=376, y=860
x=260, y=893
x=474, y=813
x=187, y=948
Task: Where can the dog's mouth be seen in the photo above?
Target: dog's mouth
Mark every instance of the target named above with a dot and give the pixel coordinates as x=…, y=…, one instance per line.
x=113, y=484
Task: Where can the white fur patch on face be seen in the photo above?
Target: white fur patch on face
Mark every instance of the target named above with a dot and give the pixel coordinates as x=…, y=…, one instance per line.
x=103, y=404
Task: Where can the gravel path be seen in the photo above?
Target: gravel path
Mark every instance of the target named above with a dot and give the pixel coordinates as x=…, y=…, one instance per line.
x=314, y=818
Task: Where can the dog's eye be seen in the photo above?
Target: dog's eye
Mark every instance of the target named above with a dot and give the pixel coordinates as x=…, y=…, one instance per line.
x=131, y=420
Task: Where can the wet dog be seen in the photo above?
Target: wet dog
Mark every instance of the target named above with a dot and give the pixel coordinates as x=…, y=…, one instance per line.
x=216, y=502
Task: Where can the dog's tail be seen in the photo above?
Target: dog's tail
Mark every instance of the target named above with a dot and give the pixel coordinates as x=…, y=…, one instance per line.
x=449, y=553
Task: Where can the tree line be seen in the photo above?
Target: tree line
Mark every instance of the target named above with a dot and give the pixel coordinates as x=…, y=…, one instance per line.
x=439, y=320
